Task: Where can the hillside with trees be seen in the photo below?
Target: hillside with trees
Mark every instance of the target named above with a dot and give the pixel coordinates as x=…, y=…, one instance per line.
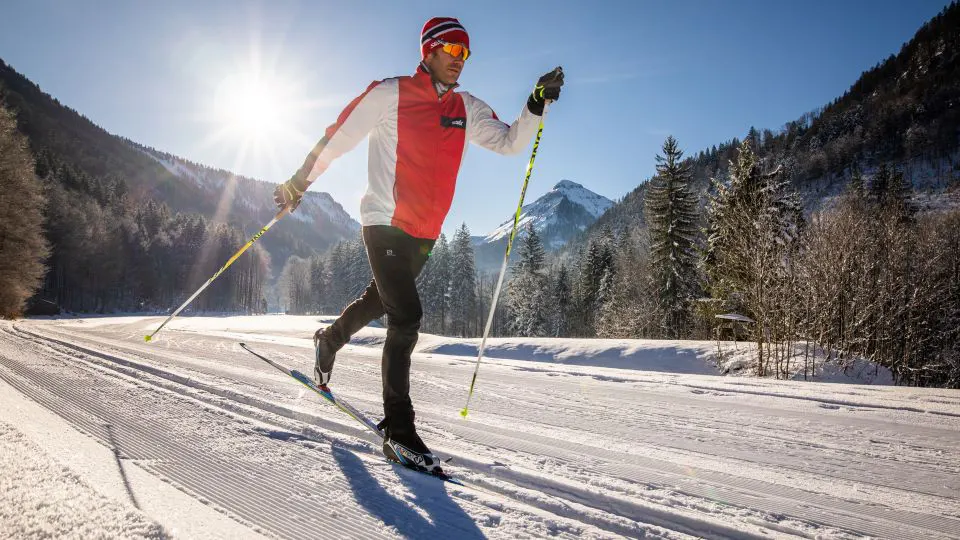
x=130, y=228
x=836, y=233
x=22, y=245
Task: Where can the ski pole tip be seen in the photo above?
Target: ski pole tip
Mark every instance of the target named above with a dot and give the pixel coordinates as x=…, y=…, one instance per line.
x=147, y=338
x=463, y=413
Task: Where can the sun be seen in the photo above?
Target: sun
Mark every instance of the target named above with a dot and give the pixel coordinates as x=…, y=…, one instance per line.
x=251, y=107
x=258, y=116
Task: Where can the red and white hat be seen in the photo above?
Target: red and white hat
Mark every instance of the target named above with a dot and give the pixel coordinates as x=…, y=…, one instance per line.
x=442, y=29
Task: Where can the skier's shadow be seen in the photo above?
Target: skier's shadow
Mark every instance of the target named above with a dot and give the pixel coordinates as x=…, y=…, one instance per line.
x=447, y=519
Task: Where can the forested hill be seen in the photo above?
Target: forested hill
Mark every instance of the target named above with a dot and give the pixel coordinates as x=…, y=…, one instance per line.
x=838, y=231
x=101, y=188
x=904, y=112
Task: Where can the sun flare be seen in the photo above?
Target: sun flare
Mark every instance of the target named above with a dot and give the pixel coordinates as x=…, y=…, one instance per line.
x=260, y=117
x=251, y=107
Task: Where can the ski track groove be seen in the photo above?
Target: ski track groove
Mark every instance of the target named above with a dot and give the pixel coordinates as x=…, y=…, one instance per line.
x=183, y=470
x=195, y=480
x=734, y=441
x=731, y=533
x=839, y=402
x=854, y=517
x=718, y=487
x=849, y=470
x=188, y=396
x=555, y=489
x=181, y=459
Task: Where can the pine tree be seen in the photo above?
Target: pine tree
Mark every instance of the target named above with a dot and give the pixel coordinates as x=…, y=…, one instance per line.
x=589, y=282
x=753, y=138
x=857, y=185
x=630, y=311
x=898, y=196
x=605, y=293
x=562, y=299
x=754, y=222
x=22, y=245
x=338, y=268
x=880, y=185
x=672, y=216
x=434, y=284
x=463, y=284
x=527, y=290
x=359, y=272
x=318, y=283
x=595, y=263
x=295, y=280
x=587, y=287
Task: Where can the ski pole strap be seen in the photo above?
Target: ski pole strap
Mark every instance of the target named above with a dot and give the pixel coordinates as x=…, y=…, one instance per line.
x=223, y=268
x=506, y=258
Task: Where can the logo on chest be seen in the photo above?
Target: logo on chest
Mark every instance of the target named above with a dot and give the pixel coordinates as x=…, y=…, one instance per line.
x=454, y=122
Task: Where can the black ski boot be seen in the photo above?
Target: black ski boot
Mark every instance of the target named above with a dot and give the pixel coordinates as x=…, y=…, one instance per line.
x=402, y=445
x=325, y=356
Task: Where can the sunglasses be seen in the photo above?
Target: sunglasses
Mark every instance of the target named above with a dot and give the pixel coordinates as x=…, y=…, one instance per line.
x=455, y=49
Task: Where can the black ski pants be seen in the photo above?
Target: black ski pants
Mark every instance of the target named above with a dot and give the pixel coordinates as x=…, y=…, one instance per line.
x=396, y=259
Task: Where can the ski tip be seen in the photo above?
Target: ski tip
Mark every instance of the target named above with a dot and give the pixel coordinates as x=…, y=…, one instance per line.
x=463, y=413
x=147, y=338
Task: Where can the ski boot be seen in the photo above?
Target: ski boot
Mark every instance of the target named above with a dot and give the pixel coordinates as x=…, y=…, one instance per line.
x=325, y=356
x=402, y=445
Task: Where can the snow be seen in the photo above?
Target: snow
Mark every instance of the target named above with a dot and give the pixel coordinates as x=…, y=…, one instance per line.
x=39, y=498
x=565, y=438
x=577, y=194
x=542, y=212
x=687, y=356
x=733, y=316
x=642, y=355
x=57, y=482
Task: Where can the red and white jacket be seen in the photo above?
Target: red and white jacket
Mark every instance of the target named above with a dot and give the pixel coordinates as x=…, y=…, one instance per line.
x=417, y=142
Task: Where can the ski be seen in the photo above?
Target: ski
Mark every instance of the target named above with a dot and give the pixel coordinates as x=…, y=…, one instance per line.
x=345, y=407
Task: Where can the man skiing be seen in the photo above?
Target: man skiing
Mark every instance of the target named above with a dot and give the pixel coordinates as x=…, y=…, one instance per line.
x=418, y=127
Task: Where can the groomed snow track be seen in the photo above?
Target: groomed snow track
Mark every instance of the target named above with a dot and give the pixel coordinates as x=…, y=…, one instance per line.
x=296, y=469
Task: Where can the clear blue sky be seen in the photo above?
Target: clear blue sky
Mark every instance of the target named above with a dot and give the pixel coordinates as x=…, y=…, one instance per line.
x=165, y=74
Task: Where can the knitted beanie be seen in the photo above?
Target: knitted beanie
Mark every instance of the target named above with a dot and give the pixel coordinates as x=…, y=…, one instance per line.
x=441, y=29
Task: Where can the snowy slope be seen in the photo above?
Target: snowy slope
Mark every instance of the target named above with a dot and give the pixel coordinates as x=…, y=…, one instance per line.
x=255, y=195
x=559, y=214
x=549, y=449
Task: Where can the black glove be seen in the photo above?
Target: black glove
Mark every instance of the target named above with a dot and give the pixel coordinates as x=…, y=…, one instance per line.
x=289, y=194
x=548, y=87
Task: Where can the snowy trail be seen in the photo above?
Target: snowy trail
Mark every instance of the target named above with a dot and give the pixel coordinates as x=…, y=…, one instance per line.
x=255, y=473
x=557, y=449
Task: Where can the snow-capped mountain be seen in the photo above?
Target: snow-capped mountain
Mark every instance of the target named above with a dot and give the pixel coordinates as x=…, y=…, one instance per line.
x=559, y=214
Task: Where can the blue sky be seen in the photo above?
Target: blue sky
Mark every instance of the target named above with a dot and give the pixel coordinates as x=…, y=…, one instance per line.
x=167, y=74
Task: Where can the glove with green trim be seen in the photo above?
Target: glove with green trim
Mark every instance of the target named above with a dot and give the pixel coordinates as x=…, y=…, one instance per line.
x=289, y=194
x=548, y=88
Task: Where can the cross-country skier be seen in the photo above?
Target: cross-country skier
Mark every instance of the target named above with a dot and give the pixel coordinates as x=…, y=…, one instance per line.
x=418, y=127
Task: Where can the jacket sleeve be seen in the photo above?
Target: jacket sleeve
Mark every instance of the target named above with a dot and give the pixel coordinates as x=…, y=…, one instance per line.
x=488, y=131
x=351, y=127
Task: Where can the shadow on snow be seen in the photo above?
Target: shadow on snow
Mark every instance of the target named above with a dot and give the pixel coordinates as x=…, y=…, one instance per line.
x=444, y=517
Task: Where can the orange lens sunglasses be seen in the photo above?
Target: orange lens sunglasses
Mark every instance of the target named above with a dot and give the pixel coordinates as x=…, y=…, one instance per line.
x=455, y=49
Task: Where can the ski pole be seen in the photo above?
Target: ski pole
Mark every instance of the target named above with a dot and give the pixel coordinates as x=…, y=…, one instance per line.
x=506, y=258
x=276, y=218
